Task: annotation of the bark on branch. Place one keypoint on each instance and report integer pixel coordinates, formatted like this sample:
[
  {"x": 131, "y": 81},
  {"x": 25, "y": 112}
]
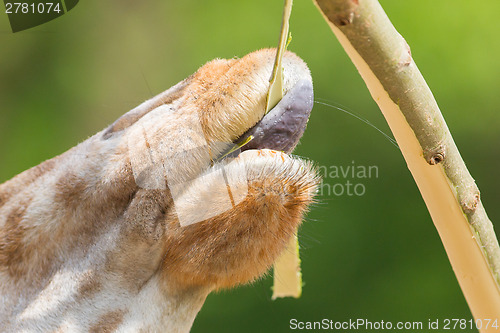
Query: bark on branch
[{"x": 384, "y": 60}]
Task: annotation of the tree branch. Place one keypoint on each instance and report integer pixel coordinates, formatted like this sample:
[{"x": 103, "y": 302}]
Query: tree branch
[{"x": 384, "y": 60}]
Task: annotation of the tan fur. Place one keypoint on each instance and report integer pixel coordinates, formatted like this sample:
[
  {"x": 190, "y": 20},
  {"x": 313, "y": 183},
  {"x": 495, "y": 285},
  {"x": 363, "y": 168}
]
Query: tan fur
[
  {"x": 108, "y": 322},
  {"x": 91, "y": 240}
]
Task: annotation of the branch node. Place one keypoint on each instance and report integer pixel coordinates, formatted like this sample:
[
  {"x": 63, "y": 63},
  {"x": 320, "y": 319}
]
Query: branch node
[
  {"x": 340, "y": 13},
  {"x": 406, "y": 58},
  {"x": 436, "y": 159},
  {"x": 469, "y": 202},
  {"x": 435, "y": 155},
  {"x": 344, "y": 19}
]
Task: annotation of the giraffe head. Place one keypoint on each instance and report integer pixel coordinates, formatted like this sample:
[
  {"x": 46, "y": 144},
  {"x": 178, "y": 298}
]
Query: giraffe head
[{"x": 136, "y": 225}]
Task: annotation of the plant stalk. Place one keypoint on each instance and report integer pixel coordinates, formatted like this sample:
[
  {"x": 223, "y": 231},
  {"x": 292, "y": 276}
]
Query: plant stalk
[{"x": 384, "y": 60}]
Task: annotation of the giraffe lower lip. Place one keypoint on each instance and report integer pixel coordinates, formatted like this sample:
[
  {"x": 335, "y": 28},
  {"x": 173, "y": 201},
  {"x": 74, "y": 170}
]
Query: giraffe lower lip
[{"x": 282, "y": 127}]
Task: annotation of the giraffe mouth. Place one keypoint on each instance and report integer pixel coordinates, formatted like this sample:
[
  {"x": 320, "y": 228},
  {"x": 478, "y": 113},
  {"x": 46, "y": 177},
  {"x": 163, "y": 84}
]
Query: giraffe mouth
[{"x": 282, "y": 127}]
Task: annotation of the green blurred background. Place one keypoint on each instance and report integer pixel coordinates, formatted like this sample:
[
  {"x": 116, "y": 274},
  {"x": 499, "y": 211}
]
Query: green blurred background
[{"x": 376, "y": 256}]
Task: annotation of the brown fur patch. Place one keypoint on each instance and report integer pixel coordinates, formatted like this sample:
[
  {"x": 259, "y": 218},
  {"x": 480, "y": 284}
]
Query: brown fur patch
[
  {"x": 70, "y": 191},
  {"x": 15, "y": 251},
  {"x": 89, "y": 286},
  {"x": 108, "y": 322},
  {"x": 3, "y": 197},
  {"x": 12, "y": 247},
  {"x": 96, "y": 200},
  {"x": 83, "y": 199}
]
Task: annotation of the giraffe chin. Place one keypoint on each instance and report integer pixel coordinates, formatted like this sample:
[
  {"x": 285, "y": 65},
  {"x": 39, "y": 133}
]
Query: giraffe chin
[{"x": 252, "y": 205}]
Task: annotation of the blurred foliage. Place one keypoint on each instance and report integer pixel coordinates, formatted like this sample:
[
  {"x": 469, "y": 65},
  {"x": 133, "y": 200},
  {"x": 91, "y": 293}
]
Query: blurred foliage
[{"x": 375, "y": 256}]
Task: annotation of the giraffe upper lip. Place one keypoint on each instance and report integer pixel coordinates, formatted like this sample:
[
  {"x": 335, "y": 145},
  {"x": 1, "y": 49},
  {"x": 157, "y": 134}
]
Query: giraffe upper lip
[{"x": 282, "y": 127}]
